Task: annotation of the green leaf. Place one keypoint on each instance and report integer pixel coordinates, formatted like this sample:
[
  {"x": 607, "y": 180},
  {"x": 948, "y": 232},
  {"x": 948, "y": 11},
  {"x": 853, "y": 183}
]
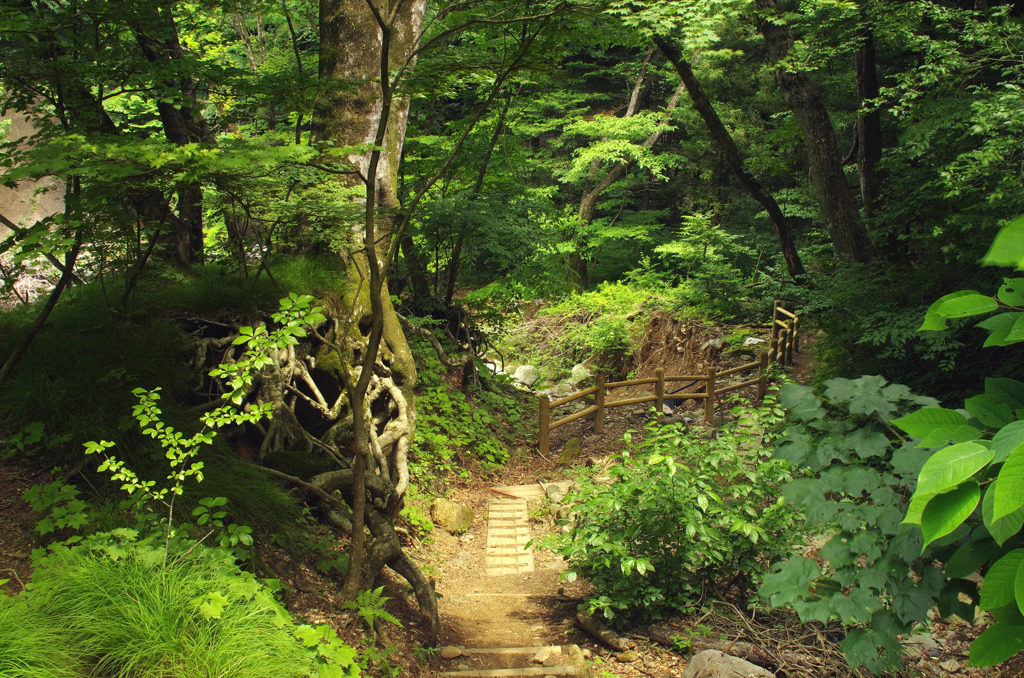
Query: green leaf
[
  {"x": 1008, "y": 493},
  {"x": 950, "y": 435},
  {"x": 1008, "y": 247},
  {"x": 996, "y": 644},
  {"x": 949, "y": 467},
  {"x": 1006, "y": 440},
  {"x": 945, "y": 512},
  {"x": 1011, "y": 292},
  {"x": 969, "y": 558},
  {"x": 963, "y": 306},
  {"x": 998, "y": 588},
  {"x": 1004, "y": 329},
  {"x": 989, "y": 410},
  {"x": 924, "y": 421},
  {"x": 1009, "y": 391}
]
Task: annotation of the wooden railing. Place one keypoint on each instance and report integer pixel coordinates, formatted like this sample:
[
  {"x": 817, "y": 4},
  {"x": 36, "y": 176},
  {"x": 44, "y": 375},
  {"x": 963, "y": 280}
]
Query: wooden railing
[
  {"x": 709, "y": 395},
  {"x": 785, "y": 335}
]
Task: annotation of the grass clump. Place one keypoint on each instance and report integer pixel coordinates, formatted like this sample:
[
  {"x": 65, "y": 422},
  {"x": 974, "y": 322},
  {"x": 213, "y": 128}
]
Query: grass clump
[
  {"x": 32, "y": 644},
  {"x": 128, "y": 615}
]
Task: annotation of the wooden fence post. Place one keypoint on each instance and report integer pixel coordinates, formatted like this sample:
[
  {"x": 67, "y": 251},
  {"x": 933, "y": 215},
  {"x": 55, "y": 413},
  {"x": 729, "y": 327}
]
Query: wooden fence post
[
  {"x": 709, "y": 401},
  {"x": 599, "y": 404},
  {"x": 659, "y": 390},
  {"x": 762, "y": 376},
  {"x": 791, "y": 331},
  {"x": 796, "y": 333},
  {"x": 773, "y": 345},
  {"x": 545, "y": 422}
]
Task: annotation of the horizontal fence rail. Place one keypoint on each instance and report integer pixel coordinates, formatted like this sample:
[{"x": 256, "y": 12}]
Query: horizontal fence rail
[
  {"x": 711, "y": 391},
  {"x": 785, "y": 335}
]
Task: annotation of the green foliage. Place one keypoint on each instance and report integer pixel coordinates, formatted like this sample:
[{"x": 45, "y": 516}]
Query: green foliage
[
  {"x": 857, "y": 475},
  {"x": 970, "y": 486},
  {"x": 59, "y": 505},
  {"x": 452, "y": 422},
  {"x": 369, "y": 605},
  {"x": 685, "y": 517}
]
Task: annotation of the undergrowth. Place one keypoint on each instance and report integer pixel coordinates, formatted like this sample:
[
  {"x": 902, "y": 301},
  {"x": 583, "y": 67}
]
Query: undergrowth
[{"x": 480, "y": 423}]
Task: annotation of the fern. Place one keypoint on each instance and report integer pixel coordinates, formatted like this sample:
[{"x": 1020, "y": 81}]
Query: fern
[{"x": 370, "y": 606}]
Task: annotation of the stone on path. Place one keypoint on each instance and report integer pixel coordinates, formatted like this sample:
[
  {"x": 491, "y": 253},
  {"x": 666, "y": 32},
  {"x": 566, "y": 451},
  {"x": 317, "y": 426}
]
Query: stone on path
[
  {"x": 453, "y": 518},
  {"x": 715, "y": 664},
  {"x": 450, "y": 652}
]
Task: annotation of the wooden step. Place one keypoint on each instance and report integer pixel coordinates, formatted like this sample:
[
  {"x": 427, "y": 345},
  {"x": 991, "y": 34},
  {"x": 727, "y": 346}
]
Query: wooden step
[
  {"x": 552, "y": 649},
  {"x": 514, "y": 673}
]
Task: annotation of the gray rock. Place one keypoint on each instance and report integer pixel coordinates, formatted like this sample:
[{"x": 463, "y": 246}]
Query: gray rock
[
  {"x": 715, "y": 664},
  {"x": 527, "y": 375},
  {"x": 579, "y": 662},
  {"x": 453, "y": 518},
  {"x": 710, "y": 344},
  {"x": 561, "y": 389},
  {"x": 579, "y": 373},
  {"x": 571, "y": 451}
]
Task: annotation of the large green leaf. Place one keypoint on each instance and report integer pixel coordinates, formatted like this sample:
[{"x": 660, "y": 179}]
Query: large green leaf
[
  {"x": 1008, "y": 494},
  {"x": 945, "y": 512},
  {"x": 1011, "y": 292},
  {"x": 998, "y": 589},
  {"x": 925, "y": 420},
  {"x": 989, "y": 410},
  {"x": 963, "y": 306},
  {"x": 935, "y": 321},
  {"x": 950, "y": 435},
  {"x": 1003, "y": 528},
  {"x": 1004, "y": 329},
  {"x": 969, "y": 558},
  {"x": 996, "y": 644},
  {"x": 949, "y": 467},
  {"x": 1008, "y": 247},
  {"x": 1009, "y": 391},
  {"x": 1006, "y": 440}
]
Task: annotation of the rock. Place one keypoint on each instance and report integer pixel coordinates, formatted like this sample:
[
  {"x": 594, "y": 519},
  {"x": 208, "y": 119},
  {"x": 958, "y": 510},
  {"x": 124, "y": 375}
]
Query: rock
[
  {"x": 556, "y": 491},
  {"x": 715, "y": 664},
  {"x": 549, "y": 662},
  {"x": 527, "y": 375},
  {"x": 571, "y": 451},
  {"x": 921, "y": 644},
  {"x": 710, "y": 344},
  {"x": 754, "y": 341},
  {"x": 450, "y": 652},
  {"x": 951, "y": 666},
  {"x": 453, "y": 518},
  {"x": 627, "y": 656},
  {"x": 579, "y": 373},
  {"x": 463, "y": 557},
  {"x": 561, "y": 389},
  {"x": 541, "y": 657},
  {"x": 579, "y": 662},
  {"x": 463, "y": 667}
]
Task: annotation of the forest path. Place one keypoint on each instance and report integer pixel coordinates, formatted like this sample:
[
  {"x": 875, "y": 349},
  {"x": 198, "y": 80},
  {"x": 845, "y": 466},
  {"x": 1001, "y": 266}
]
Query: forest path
[{"x": 500, "y": 601}]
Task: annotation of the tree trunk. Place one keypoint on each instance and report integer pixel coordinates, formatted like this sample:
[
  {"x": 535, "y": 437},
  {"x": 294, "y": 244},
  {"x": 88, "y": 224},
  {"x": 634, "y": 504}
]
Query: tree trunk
[
  {"x": 157, "y": 37},
  {"x": 849, "y": 237},
  {"x": 362, "y": 43},
  {"x": 727, "y": 146},
  {"x": 869, "y": 125}
]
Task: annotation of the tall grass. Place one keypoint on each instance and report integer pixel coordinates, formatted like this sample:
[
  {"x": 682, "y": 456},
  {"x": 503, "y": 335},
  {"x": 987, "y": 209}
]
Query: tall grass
[
  {"x": 34, "y": 645},
  {"x": 137, "y": 619}
]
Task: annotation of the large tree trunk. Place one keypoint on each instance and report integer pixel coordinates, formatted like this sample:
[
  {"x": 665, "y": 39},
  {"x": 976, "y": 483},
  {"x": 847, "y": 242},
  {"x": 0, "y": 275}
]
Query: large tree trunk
[
  {"x": 869, "y": 125},
  {"x": 728, "y": 147},
  {"x": 362, "y": 44},
  {"x": 177, "y": 104},
  {"x": 849, "y": 237}
]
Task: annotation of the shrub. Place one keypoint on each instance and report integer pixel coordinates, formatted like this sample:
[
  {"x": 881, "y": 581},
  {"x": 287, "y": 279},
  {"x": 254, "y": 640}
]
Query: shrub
[{"x": 684, "y": 517}]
